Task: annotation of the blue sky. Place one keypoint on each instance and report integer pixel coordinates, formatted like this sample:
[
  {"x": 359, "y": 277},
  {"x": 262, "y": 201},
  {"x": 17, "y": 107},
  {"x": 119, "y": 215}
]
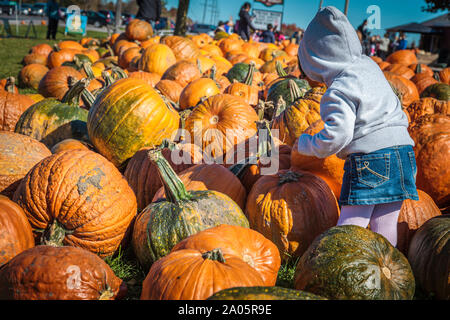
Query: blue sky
[{"x": 393, "y": 12}]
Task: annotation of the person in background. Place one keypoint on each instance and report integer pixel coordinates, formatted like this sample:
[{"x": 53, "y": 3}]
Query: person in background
[
  {"x": 384, "y": 47},
  {"x": 296, "y": 36},
  {"x": 279, "y": 36},
  {"x": 53, "y": 18},
  {"x": 394, "y": 44},
  {"x": 365, "y": 37},
  {"x": 268, "y": 36},
  {"x": 245, "y": 22},
  {"x": 220, "y": 27},
  {"x": 150, "y": 11},
  {"x": 229, "y": 26},
  {"x": 403, "y": 43}
]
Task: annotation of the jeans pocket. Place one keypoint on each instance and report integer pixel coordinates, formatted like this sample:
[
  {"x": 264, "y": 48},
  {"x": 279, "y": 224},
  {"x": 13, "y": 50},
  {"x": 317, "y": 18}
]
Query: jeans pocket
[
  {"x": 412, "y": 160},
  {"x": 373, "y": 170}
]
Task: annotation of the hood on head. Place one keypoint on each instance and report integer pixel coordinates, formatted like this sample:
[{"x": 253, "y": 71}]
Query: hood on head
[{"x": 329, "y": 45}]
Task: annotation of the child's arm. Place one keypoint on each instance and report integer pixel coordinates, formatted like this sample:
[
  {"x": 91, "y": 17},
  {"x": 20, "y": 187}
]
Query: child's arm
[{"x": 338, "y": 114}]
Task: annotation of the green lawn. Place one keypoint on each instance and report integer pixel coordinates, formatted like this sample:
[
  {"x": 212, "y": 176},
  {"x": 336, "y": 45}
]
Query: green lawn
[{"x": 12, "y": 50}]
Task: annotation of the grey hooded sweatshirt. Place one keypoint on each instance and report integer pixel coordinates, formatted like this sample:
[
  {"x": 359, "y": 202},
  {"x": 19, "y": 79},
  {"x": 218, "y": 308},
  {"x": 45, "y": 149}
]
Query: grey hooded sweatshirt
[{"x": 360, "y": 110}]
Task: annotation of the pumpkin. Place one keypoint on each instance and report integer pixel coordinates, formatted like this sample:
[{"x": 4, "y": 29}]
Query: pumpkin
[
  {"x": 289, "y": 88},
  {"x": 213, "y": 50},
  {"x": 404, "y": 87},
  {"x": 182, "y": 47},
  {"x": 35, "y": 58},
  {"x": 222, "y": 65},
  {"x": 203, "y": 63},
  {"x": 263, "y": 293},
  {"x": 201, "y": 40},
  {"x": 422, "y": 81},
  {"x": 291, "y": 208},
  {"x": 183, "y": 72},
  {"x": 170, "y": 89},
  {"x": 202, "y": 177},
  {"x": 229, "y": 44},
  {"x": 376, "y": 59},
  {"x": 139, "y": 30},
  {"x": 15, "y": 230},
  {"x": 127, "y": 116},
  {"x": 240, "y": 71},
  {"x": 197, "y": 91},
  {"x": 57, "y": 58},
  {"x": 413, "y": 215},
  {"x": 78, "y": 198},
  {"x": 429, "y": 257},
  {"x": 251, "y": 246},
  {"x": 150, "y": 78},
  {"x": 42, "y": 48},
  {"x": 128, "y": 55},
  {"x": 245, "y": 89},
  {"x": 69, "y": 144},
  {"x": 293, "y": 119},
  {"x": 427, "y": 106},
  {"x": 383, "y": 65},
  {"x": 31, "y": 75},
  {"x": 51, "y": 121},
  {"x": 444, "y": 75},
  {"x": 9, "y": 84},
  {"x": 36, "y": 97},
  {"x": 251, "y": 49},
  {"x": 432, "y": 149},
  {"x": 12, "y": 105},
  {"x": 142, "y": 174},
  {"x": 351, "y": 262},
  {"x": 291, "y": 49},
  {"x": 55, "y": 83},
  {"x": 120, "y": 46},
  {"x": 192, "y": 275},
  {"x": 330, "y": 169},
  {"x": 400, "y": 70},
  {"x": 182, "y": 213},
  {"x": 157, "y": 58},
  {"x": 18, "y": 154},
  {"x": 268, "y": 54},
  {"x": 247, "y": 164},
  {"x": 219, "y": 123},
  {"x": 440, "y": 91},
  {"x": 419, "y": 68},
  {"x": 54, "y": 273},
  {"x": 404, "y": 57},
  {"x": 70, "y": 44}
]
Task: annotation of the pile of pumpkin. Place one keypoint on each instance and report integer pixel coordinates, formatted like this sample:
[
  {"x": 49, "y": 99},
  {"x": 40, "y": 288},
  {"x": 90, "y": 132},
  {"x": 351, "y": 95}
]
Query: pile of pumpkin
[{"x": 88, "y": 165}]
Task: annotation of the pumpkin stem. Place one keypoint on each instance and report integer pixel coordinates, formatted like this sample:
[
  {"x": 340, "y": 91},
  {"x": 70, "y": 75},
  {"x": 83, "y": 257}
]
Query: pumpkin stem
[
  {"x": 110, "y": 50},
  {"x": 264, "y": 142},
  {"x": 289, "y": 176},
  {"x": 167, "y": 144},
  {"x": 260, "y": 108},
  {"x": 213, "y": 72},
  {"x": 419, "y": 68},
  {"x": 174, "y": 188},
  {"x": 437, "y": 76},
  {"x": 215, "y": 255},
  {"x": 72, "y": 96},
  {"x": 109, "y": 80},
  {"x": 54, "y": 235},
  {"x": 106, "y": 294},
  {"x": 294, "y": 90},
  {"x": 88, "y": 70},
  {"x": 251, "y": 71},
  {"x": 118, "y": 73},
  {"x": 280, "y": 70},
  {"x": 88, "y": 98},
  {"x": 10, "y": 84},
  {"x": 279, "y": 107},
  {"x": 56, "y": 47}
]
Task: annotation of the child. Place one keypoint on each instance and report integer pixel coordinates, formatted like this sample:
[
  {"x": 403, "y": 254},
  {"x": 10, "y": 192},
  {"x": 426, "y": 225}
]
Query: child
[{"x": 364, "y": 124}]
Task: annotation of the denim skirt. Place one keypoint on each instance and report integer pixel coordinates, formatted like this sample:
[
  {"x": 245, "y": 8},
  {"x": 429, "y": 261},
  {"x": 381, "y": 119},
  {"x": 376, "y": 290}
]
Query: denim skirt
[{"x": 382, "y": 176}]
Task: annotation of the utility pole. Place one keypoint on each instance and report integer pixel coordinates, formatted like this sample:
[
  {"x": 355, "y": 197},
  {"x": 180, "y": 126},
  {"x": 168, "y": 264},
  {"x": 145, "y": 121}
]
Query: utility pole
[
  {"x": 205, "y": 8},
  {"x": 346, "y": 7},
  {"x": 118, "y": 20},
  {"x": 320, "y": 4}
]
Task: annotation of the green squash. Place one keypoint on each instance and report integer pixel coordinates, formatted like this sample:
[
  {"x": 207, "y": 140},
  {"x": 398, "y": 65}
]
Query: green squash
[
  {"x": 350, "y": 262},
  {"x": 440, "y": 91},
  {"x": 161, "y": 225},
  {"x": 263, "y": 293},
  {"x": 238, "y": 72},
  {"x": 290, "y": 89},
  {"x": 51, "y": 121},
  {"x": 429, "y": 256}
]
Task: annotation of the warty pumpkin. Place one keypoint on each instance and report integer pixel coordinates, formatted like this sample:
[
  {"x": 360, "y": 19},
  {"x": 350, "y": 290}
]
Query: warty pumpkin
[
  {"x": 252, "y": 247},
  {"x": 127, "y": 116},
  {"x": 192, "y": 275},
  {"x": 352, "y": 263},
  {"x": 59, "y": 273},
  {"x": 427, "y": 106},
  {"x": 78, "y": 198},
  {"x": 219, "y": 123},
  {"x": 164, "y": 223},
  {"x": 157, "y": 58},
  {"x": 18, "y": 154},
  {"x": 429, "y": 255},
  {"x": 197, "y": 91},
  {"x": 15, "y": 230},
  {"x": 139, "y": 30},
  {"x": 291, "y": 208}
]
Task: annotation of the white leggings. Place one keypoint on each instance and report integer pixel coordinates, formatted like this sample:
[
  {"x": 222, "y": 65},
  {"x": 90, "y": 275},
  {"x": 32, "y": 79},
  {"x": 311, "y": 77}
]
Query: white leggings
[{"x": 382, "y": 218}]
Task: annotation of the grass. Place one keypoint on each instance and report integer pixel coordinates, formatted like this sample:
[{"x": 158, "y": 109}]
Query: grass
[{"x": 13, "y": 49}]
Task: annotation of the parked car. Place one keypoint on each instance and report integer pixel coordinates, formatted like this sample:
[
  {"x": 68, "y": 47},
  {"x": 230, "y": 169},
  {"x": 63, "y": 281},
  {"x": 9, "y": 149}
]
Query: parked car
[
  {"x": 25, "y": 9},
  {"x": 8, "y": 7},
  {"x": 203, "y": 28},
  {"x": 109, "y": 16},
  {"x": 96, "y": 18},
  {"x": 39, "y": 9}
]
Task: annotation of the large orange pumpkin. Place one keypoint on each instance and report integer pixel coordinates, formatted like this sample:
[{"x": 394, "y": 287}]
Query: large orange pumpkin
[
  {"x": 427, "y": 106},
  {"x": 400, "y": 70},
  {"x": 57, "y": 58},
  {"x": 422, "y": 81},
  {"x": 404, "y": 57},
  {"x": 404, "y": 87},
  {"x": 183, "y": 72},
  {"x": 149, "y": 77},
  {"x": 157, "y": 58},
  {"x": 55, "y": 83},
  {"x": 182, "y": 47},
  {"x": 139, "y": 30},
  {"x": 196, "y": 91},
  {"x": 190, "y": 274},
  {"x": 42, "y": 48},
  {"x": 170, "y": 89},
  {"x": 32, "y": 74},
  {"x": 251, "y": 246},
  {"x": 12, "y": 105},
  {"x": 15, "y": 230},
  {"x": 35, "y": 58},
  {"x": 78, "y": 198}
]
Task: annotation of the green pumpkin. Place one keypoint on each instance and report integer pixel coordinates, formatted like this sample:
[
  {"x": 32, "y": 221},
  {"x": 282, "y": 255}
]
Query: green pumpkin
[
  {"x": 440, "y": 91},
  {"x": 350, "y": 262},
  {"x": 429, "y": 255},
  {"x": 263, "y": 293},
  {"x": 51, "y": 121},
  {"x": 238, "y": 72},
  {"x": 161, "y": 225}
]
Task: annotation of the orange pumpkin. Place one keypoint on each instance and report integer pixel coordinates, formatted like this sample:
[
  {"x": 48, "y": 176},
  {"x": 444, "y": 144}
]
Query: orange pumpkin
[
  {"x": 196, "y": 91},
  {"x": 404, "y": 87},
  {"x": 404, "y": 57},
  {"x": 35, "y": 58},
  {"x": 183, "y": 72},
  {"x": 170, "y": 89},
  {"x": 12, "y": 105},
  {"x": 139, "y": 30},
  {"x": 57, "y": 58},
  {"x": 55, "y": 83},
  {"x": 422, "y": 81},
  {"x": 149, "y": 77},
  {"x": 157, "y": 58},
  {"x": 128, "y": 55},
  {"x": 444, "y": 75},
  {"x": 32, "y": 74},
  {"x": 401, "y": 70},
  {"x": 70, "y": 44},
  {"x": 42, "y": 48},
  {"x": 427, "y": 106},
  {"x": 182, "y": 47}
]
